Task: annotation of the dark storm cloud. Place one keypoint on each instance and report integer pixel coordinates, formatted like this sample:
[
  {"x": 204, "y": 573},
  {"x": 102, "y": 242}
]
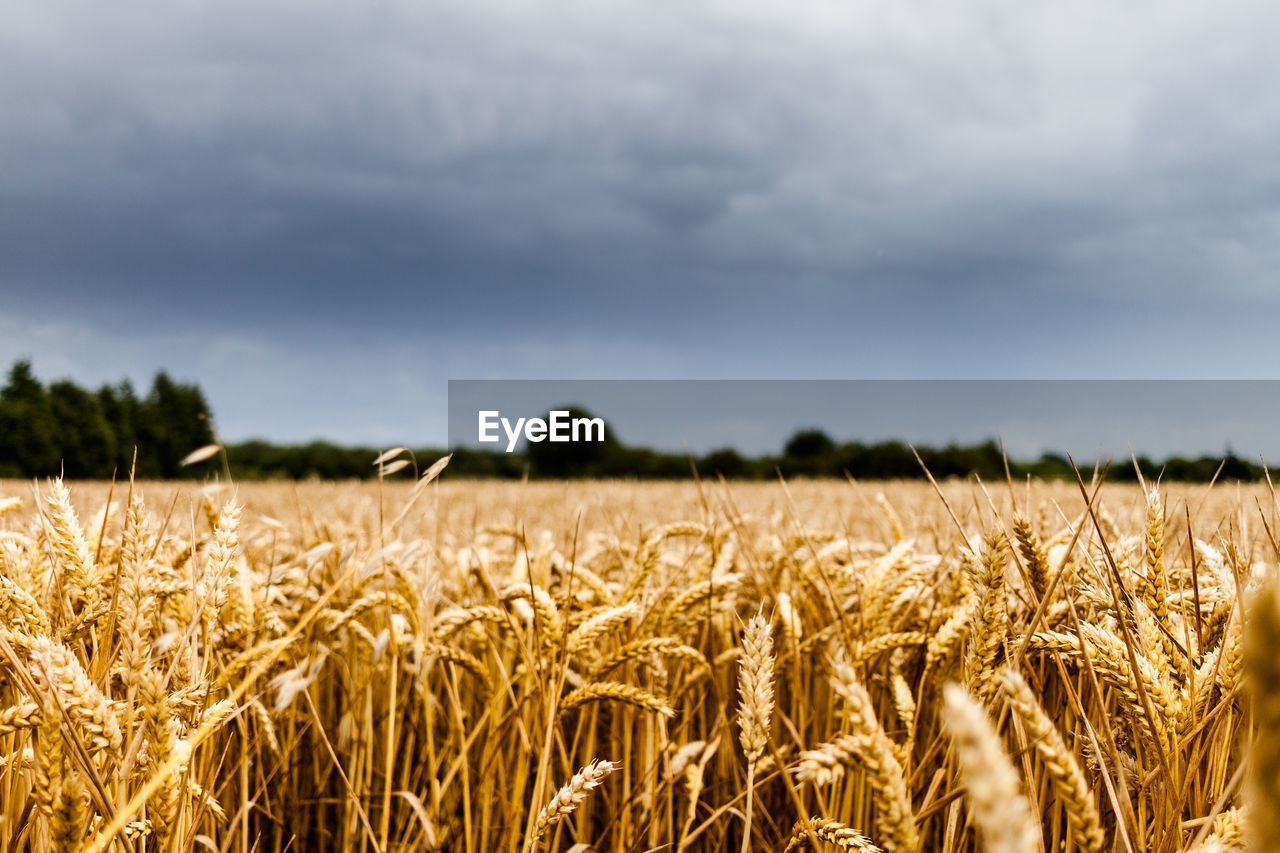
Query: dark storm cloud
[{"x": 680, "y": 189}]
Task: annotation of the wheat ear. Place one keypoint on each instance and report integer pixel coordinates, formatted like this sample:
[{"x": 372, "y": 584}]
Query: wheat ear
[
  {"x": 831, "y": 831},
  {"x": 1157, "y": 587},
  {"x": 568, "y": 798},
  {"x": 1033, "y": 555},
  {"x": 755, "y": 687},
  {"x": 1068, "y": 779},
  {"x": 603, "y": 691},
  {"x": 996, "y": 802},
  {"x": 869, "y": 743},
  {"x": 988, "y": 631},
  {"x": 755, "y": 707},
  {"x": 1261, "y": 639}
]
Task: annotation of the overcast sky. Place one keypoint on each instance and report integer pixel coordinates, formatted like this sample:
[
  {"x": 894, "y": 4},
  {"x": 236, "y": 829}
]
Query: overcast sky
[{"x": 322, "y": 211}]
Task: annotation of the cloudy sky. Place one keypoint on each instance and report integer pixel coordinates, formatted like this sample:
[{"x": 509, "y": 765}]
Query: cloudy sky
[{"x": 323, "y": 211}]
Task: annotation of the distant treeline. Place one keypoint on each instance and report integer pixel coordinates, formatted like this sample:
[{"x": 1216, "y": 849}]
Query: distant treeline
[
  {"x": 60, "y": 427},
  {"x": 809, "y": 453}
]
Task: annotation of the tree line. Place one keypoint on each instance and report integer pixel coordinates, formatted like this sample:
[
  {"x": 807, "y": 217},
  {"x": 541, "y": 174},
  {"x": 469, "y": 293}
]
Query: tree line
[
  {"x": 813, "y": 453},
  {"x": 807, "y": 454},
  {"x": 63, "y": 428}
]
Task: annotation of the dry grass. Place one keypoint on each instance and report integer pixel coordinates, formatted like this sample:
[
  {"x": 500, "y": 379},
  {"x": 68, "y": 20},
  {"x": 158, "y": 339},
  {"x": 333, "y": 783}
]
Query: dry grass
[{"x": 822, "y": 665}]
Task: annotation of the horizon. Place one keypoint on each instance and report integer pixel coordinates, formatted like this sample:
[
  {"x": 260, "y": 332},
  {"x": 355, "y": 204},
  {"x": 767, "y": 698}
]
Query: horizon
[{"x": 1157, "y": 419}]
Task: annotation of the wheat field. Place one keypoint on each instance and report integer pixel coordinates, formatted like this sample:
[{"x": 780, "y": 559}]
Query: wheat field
[{"x": 612, "y": 666}]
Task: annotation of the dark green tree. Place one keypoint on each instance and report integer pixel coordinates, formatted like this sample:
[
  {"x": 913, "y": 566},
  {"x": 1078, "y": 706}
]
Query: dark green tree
[
  {"x": 809, "y": 453},
  {"x": 1235, "y": 468},
  {"x": 85, "y": 440},
  {"x": 574, "y": 458},
  {"x": 725, "y": 462},
  {"x": 890, "y": 460},
  {"x": 809, "y": 443},
  {"x": 28, "y": 441},
  {"x": 123, "y": 410},
  {"x": 175, "y": 421}
]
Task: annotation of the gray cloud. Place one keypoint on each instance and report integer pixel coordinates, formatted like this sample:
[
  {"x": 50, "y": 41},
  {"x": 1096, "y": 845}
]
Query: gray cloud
[{"x": 688, "y": 189}]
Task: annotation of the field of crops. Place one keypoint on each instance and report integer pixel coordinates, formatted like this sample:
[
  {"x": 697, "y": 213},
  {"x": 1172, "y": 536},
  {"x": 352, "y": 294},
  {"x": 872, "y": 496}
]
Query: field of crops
[{"x": 631, "y": 667}]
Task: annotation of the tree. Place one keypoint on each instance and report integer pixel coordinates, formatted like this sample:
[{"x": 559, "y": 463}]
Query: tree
[
  {"x": 175, "y": 422},
  {"x": 892, "y": 459},
  {"x": 725, "y": 462},
  {"x": 27, "y": 426},
  {"x": 1235, "y": 468},
  {"x": 85, "y": 440},
  {"x": 123, "y": 411},
  {"x": 809, "y": 453},
  {"x": 809, "y": 444},
  {"x": 574, "y": 458}
]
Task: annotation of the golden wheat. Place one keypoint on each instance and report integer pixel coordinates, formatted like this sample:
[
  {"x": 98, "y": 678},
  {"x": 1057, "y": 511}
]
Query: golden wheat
[
  {"x": 1000, "y": 810},
  {"x": 568, "y": 798},
  {"x": 410, "y": 667}
]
